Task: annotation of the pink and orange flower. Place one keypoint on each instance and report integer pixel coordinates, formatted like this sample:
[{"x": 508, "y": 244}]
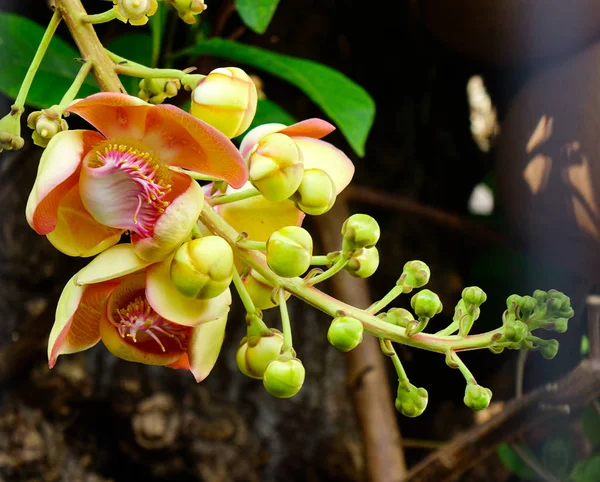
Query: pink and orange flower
[{"x": 92, "y": 186}]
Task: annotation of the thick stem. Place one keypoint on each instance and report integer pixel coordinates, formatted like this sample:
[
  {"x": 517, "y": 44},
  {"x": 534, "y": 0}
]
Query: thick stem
[{"x": 89, "y": 45}]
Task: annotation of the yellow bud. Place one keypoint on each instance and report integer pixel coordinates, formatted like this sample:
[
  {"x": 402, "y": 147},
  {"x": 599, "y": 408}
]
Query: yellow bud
[
  {"x": 155, "y": 91},
  {"x": 135, "y": 11},
  {"x": 188, "y": 9},
  {"x": 256, "y": 352},
  {"x": 203, "y": 268},
  {"x": 316, "y": 193},
  {"x": 289, "y": 251},
  {"x": 276, "y": 167},
  {"x": 226, "y": 99},
  {"x": 45, "y": 124}
]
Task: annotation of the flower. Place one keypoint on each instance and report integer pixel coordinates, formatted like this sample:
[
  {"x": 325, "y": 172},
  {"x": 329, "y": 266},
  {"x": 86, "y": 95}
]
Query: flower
[
  {"x": 92, "y": 187},
  {"x": 132, "y": 306},
  {"x": 135, "y": 11}
]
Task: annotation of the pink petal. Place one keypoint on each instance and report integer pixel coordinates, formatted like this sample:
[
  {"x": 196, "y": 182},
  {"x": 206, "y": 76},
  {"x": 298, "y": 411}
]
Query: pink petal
[{"x": 314, "y": 127}]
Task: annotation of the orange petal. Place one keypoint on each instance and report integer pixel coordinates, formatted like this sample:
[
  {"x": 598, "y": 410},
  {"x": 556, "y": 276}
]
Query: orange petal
[
  {"x": 323, "y": 155},
  {"x": 113, "y": 114},
  {"x": 169, "y": 303},
  {"x": 77, "y": 316},
  {"x": 76, "y": 232},
  {"x": 314, "y": 127},
  {"x": 204, "y": 347},
  {"x": 183, "y": 141},
  {"x": 120, "y": 260},
  {"x": 176, "y": 223},
  {"x": 182, "y": 363},
  {"x": 57, "y": 174}
]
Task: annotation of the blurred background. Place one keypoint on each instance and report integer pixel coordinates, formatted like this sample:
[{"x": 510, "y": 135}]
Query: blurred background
[{"x": 482, "y": 162}]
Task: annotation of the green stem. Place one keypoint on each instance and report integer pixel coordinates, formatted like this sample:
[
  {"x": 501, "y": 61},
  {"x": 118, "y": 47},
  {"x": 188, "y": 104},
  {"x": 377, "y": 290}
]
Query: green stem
[
  {"x": 388, "y": 349},
  {"x": 37, "y": 60},
  {"x": 320, "y": 260},
  {"x": 244, "y": 295},
  {"x": 285, "y": 323},
  {"x": 249, "y": 244},
  {"x": 256, "y": 326},
  {"x": 470, "y": 379},
  {"x": 194, "y": 175},
  {"x": 336, "y": 268},
  {"x": 449, "y": 330},
  {"x": 233, "y": 197},
  {"x": 387, "y": 299},
  {"x": 76, "y": 85},
  {"x": 331, "y": 306},
  {"x": 99, "y": 17}
]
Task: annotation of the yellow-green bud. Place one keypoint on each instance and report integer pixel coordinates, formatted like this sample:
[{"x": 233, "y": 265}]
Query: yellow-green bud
[
  {"x": 226, "y": 99},
  {"x": 363, "y": 263},
  {"x": 203, "y": 268},
  {"x": 135, "y": 11},
  {"x": 345, "y": 333},
  {"x": 10, "y": 130},
  {"x": 360, "y": 231},
  {"x": 477, "y": 397},
  {"x": 260, "y": 291},
  {"x": 284, "y": 378},
  {"x": 155, "y": 91},
  {"x": 45, "y": 124},
  {"x": 316, "y": 193},
  {"x": 399, "y": 317},
  {"x": 276, "y": 167},
  {"x": 474, "y": 295},
  {"x": 188, "y": 9},
  {"x": 416, "y": 274},
  {"x": 426, "y": 304},
  {"x": 289, "y": 251},
  {"x": 256, "y": 352},
  {"x": 411, "y": 401},
  {"x": 549, "y": 349}
]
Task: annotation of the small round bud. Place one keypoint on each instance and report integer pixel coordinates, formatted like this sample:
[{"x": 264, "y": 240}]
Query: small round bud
[
  {"x": 473, "y": 295},
  {"x": 512, "y": 299},
  {"x": 203, "y": 268},
  {"x": 426, "y": 304},
  {"x": 256, "y": 352},
  {"x": 515, "y": 331},
  {"x": 316, "y": 193},
  {"x": 289, "y": 251},
  {"x": 276, "y": 167},
  {"x": 399, "y": 317},
  {"x": 45, "y": 124},
  {"x": 363, "y": 263},
  {"x": 284, "y": 378},
  {"x": 360, "y": 231},
  {"x": 260, "y": 291},
  {"x": 477, "y": 397},
  {"x": 540, "y": 296},
  {"x": 10, "y": 130},
  {"x": 155, "y": 91},
  {"x": 345, "y": 333},
  {"x": 226, "y": 99},
  {"x": 188, "y": 9},
  {"x": 526, "y": 305},
  {"x": 416, "y": 274},
  {"x": 135, "y": 11},
  {"x": 549, "y": 349},
  {"x": 560, "y": 325},
  {"x": 411, "y": 401}
]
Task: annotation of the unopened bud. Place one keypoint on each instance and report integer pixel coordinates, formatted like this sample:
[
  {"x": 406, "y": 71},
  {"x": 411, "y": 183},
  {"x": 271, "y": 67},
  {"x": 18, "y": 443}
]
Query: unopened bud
[
  {"x": 345, "y": 333},
  {"x": 477, "y": 397},
  {"x": 203, "y": 268},
  {"x": 276, "y": 167},
  {"x": 256, "y": 352},
  {"x": 411, "y": 401},
  {"x": 136, "y": 12},
  {"x": 399, "y": 317},
  {"x": 289, "y": 251},
  {"x": 155, "y": 91},
  {"x": 515, "y": 331},
  {"x": 226, "y": 99},
  {"x": 316, "y": 193},
  {"x": 363, "y": 263},
  {"x": 284, "y": 378},
  {"x": 426, "y": 304},
  {"x": 549, "y": 349},
  {"x": 416, "y": 274},
  {"x": 360, "y": 231},
  {"x": 188, "y": 9},
  {"x": 473, "y": 295},
  {"x": 10, "y": 131},
  {"x": 45, "y": 124}
]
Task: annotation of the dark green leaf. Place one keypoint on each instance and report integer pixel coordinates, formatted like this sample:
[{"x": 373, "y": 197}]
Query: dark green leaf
[
  {"x": 344, "y": 101},
  {"x": 557, "y": 457},
  {"x": 256, "y": 14},
  {"x": 136, "y": 47},
  {"x": 157, "y": 27},
  {"x": 19, "y": 40},
  {"x": 587, "y": 470},
  {"x": 514, "y": 463},
  {"x": 591, "y": 425}
]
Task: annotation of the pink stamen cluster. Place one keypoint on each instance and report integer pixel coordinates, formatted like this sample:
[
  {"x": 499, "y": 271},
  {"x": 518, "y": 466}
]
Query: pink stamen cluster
[
  {"x": 139, "y": 317},
  {"x": 145, "y": 171}
]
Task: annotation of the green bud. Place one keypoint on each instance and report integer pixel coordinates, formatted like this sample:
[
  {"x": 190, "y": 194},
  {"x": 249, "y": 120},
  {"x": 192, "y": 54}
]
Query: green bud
[
  {"x": 260, "y": 291},
  {"x": 203, "y": 268},
  {"x": 276, "y": 167},
  {"x": 526, "y": 306},
  {"x": 512, "y": 299},
  {"x": 473, "y": 295},
  {"x": 345, "y": 333},
  {"x": 46, "y": 124},
  {"x": 399, "y": 317},
  {"x": 363, "y": 263},
  {"x": 426, "y": 304},
  {"x": 559, "y": 305},
  {"x": 515, "y": 331},
  {"x": 560, "y": 325},
  {"x": 316, "y": 193},
  {"x": 156, "y": 91},
  {"x": 416, "y": 274},
  {"x": 549, "y": 349},
  {"x": 289, "y": 251},
  {"x": 284, "y": 378},
  {"x": 477, "y": 397},
  {"x": 540, "y": 296},
  {"x": 188, "y": 9},
  {"x": 256, "y": 352},
  {"x": 360, "y": 231},
  {"x": 411, "y": 401}
]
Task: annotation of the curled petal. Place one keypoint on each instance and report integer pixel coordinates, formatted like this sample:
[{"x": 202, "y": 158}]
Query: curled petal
[
  {"x": 57, "y": 174},
  {"x": 77, "y": 233},
  {"x": 175, "y": 224},
  {"x": 323, "y": 155},
  {"x": 77, "y": 317},
  {"x": 204, "y": 347},
  {"x": 120, "y": 260},
  {"x": 113, "y": 114},
  {"x": 314, "y": 127},
  {"x": 183, "y": 141},
  {"x": 255, "y": 135},
  {"x": 169, "y": 303}
]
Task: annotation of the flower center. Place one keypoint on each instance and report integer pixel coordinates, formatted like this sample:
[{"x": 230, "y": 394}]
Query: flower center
[{"x": 139, "y": 322}]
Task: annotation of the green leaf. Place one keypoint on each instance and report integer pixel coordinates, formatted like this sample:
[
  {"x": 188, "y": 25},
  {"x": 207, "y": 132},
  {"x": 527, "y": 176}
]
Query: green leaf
[
  {"x": 268, "y": 111},
  {"x": 514, "y": 463},
  {"x": 157, "y": 28},
  {"x": 557, "y": 456},
  {"x": 345, "y": 102},
  {"x": 19, "y": 40},
  {"x": 587, "y": 470},
  {"x": 591, "y": 425},
  {"x": 136, "y": 47},
  {"x": 256, "y": 14}
]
